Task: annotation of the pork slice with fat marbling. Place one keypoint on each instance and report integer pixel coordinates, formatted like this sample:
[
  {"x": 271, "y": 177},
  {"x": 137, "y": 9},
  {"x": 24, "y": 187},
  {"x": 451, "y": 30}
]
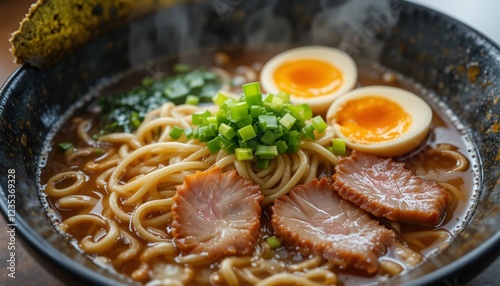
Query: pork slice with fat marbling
[
  {"x": 216, "y": 214},
  {"x": 385, "y": 188},
  {"x": 317, "y": 220}
]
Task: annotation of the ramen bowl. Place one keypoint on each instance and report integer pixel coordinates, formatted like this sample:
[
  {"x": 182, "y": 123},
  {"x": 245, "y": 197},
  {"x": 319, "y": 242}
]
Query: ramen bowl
[{"x": 442, "y": 55}]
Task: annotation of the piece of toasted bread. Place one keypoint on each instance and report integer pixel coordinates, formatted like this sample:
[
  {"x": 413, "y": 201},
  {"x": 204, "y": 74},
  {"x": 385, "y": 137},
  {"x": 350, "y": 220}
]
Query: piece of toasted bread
[{"x": 52, "y": 28}]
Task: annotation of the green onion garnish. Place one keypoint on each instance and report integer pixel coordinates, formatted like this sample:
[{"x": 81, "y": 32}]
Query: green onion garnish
[
  {"x": 256, "y": 127},
  {"x": 319, "y": 124},
  {"x": 189, "y": 133},
  {"x": 281, "y": 146},
  {"x": 192, "y": 99},
  {"x": 262, "y": 164},
  {"x": 226, "y": 131},
  {"x": 238, "y": 111},
  {"x": 125, "y": 110},
  {"x": 214, "y": 145},
  {"x": 135, "y": 119},
  {"x": 308, "y": 131},
  {"x": 243, "y": 154},
  {"x": 176, "y": 132},
  {"x": 338, "y": 146},
  {"x": 302, "y": 112},
  {"x": 288, "y": 121},
  {"x": 219, "y": 98},
  {"x": 251, "y": 89},
  {"x": 273, "y": 242},
  {"x": 266, "y": 152},
  {"x": 63, "y": 146},
  {"x": 267, "y": 122},
  {"x": 246, "y": 133}
]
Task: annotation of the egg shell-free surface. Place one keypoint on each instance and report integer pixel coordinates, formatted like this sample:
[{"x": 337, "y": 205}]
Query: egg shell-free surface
[
  {"x": 337, "y": 58},
  {"x": 417, "y": 108}
]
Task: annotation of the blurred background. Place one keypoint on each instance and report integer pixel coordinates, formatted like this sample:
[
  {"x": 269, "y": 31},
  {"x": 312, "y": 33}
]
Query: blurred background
[{"x": 480, "y": 14}]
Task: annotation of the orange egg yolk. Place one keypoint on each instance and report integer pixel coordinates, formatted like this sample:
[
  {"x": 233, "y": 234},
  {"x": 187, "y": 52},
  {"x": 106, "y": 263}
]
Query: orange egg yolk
[
  {"x": 372, "y": 119},
  {"x": 307, "y": 78}
]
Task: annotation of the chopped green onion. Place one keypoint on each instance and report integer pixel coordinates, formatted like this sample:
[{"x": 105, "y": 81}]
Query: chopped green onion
[
  {"x": 293, "y": 141},
  {"x": 273, "y": 242},
  {"x": 288, "y": 121},
  {"x": 283, "y": 95},
  {"x": 238, "y": 111},
  {"x": 212, "y": 120},
  {"x": 196, "y": 133},
  {"x": 251, "y": 89},
  {"x": 220, "y": 98},
  {"x": 282, "y": 146},
  {"x": 213, "y": 145},
  {"x": 196, "y": 82},
  {"x": 277, "y": 104},
  {"x": 245, "y": 121},
  {"x": 256, "y": 127},
  {"x": 302, "y": 112},
  {"x": 64, "y": 146},
  {"x": 224, "y": 142},
  {"x": 247, "y": 133},
  {"x": 256, "y": 110},
  {"x": 197, "y": 119},
  {"x": 243, "y": 154},
  {"x": 254, "y": 99},
  {"x": 135, "y": 119},
  {"x": 319, "y": 124},
  {"x": 210, "y": 130},
  {"x": 98, "y": 151},
  {"x": 226, "y": 131},
  {"x": 189, "y": 133},
  {"x": 252, "y": 143},
  {"x": 125, "y": 110},
  {"x": 338, "y": 146},
  {"x": 266, "y": 152},
  {"x": 267, "y": 122},
  {"x": 221, "y": 119},
  {"x": 280, "y": 131},
  {"x": 308, "y": 131},
  {"x": 192, "y": 99},
  {"x": 269, "y": 137},
  {"x": 176, "y": 132},
  {"x": 262, "y": 164},
  {"x": 268, "y": 98}
]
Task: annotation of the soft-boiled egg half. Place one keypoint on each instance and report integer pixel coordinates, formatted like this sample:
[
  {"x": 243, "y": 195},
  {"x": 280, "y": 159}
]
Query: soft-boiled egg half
[
  {"x": 315, "y": 75},
  {"x": 380, "y": 120}
]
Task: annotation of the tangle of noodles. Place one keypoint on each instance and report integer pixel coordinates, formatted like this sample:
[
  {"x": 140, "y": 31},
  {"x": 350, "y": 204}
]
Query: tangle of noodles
[
  {"x": 117, "y": 194},
  {"x": 139, "y": 172}
]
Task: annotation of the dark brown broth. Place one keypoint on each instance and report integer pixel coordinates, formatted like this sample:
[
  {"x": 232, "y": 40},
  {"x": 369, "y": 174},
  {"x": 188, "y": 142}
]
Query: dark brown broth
[{"x": 442, "y": 131}]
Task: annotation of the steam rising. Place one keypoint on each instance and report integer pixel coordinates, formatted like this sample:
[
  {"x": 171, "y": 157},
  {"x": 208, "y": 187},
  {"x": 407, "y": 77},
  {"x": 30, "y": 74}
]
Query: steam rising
[
  {"x": 351, "y": 25},
  {"x": 264, "y": 27},
  {"x": 354, "y": 25}
]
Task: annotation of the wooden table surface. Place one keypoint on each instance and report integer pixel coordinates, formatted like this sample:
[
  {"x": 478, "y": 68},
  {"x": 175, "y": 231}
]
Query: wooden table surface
[{"x": 29, "y": 271}]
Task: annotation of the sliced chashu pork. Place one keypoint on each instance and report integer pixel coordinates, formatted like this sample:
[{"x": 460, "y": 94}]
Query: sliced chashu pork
[
  {"x": 385, "y": 188},
  {"x": 216, "y": 214},
  {"x": 317, "y": 220}
]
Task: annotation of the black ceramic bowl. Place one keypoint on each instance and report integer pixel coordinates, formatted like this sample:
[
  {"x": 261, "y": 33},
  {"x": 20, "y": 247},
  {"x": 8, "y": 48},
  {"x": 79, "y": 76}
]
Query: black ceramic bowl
[{"x": 443, "y": 55}]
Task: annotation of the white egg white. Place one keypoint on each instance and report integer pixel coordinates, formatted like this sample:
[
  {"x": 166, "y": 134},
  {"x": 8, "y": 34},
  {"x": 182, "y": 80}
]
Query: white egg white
[
  {"x": 337, "y": 58},
  {"x": 416, "y": 107}
]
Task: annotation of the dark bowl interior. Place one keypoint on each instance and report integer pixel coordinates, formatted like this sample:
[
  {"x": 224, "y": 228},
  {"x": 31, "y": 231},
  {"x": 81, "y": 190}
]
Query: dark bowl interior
[{"x": 436, "y": 51}]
